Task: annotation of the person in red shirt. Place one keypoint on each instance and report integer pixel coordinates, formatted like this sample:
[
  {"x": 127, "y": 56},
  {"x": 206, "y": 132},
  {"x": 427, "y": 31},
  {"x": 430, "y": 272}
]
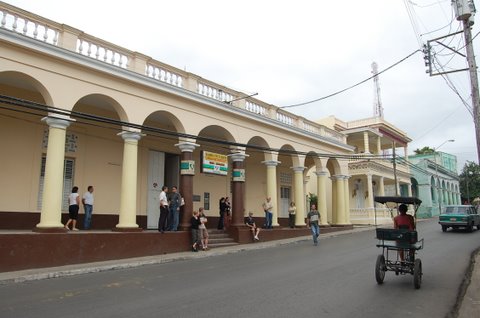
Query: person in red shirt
[{"x": 404, "y": 220}]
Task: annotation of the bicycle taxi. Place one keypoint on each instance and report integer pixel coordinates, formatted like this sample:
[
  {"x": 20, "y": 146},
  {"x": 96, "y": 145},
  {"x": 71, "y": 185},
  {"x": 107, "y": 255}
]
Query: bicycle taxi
[{"x": 399, "y": 246}]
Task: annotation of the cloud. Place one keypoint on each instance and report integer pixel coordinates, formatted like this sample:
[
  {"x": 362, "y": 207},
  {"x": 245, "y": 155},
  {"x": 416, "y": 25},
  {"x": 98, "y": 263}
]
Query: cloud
[{"x": 292, "y": 52}]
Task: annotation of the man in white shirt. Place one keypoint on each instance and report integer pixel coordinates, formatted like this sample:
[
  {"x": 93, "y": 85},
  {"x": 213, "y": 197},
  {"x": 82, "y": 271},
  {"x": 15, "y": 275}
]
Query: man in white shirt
[
  {"x": 162, "y": 220},
  {"x": 87, "y": 201}
]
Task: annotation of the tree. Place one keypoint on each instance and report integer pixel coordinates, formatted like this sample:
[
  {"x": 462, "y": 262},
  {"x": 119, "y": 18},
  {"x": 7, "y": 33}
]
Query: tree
[
  {"x": 312, "y": 199},
  {"x": 424, "y": 151},
  {"x": 470, "y": 181}
]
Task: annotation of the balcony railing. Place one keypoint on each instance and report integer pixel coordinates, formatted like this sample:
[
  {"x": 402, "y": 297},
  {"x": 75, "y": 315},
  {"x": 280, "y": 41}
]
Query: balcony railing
[
  {"x": 378, "y": 164},
  {"x": 379, "y": 216},
  {"x": 66, "y": 37}
]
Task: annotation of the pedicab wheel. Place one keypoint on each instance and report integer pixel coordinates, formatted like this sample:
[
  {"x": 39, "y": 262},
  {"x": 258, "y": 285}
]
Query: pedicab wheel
[
  {"x": 417, "y": 273},
  {"x": 380, "y": 269}
]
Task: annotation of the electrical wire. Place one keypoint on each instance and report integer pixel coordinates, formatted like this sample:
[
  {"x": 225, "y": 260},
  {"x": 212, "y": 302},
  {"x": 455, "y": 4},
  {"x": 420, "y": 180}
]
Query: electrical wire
[
  {"x": 413, "y": 22},
  {"x": 355, "y": 85},
  {"x": 39, "y": 110}
]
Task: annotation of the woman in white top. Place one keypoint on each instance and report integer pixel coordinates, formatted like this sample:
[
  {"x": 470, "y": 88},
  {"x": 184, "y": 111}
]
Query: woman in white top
[
  {"x": 292, "y": 209},
  {"x": 74, "y": 204}
]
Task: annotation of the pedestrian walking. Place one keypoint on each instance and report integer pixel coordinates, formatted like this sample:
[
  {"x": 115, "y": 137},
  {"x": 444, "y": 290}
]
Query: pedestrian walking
[
  {"x": 87, "y": 201},
  {"x": 313, "y": 217}
]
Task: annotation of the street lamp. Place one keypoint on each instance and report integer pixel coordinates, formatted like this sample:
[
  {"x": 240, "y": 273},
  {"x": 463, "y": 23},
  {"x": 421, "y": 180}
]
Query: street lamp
[{"x": 436, "y": 173}]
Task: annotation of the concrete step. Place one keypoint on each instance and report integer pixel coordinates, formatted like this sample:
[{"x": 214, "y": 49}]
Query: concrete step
[
  {"x": 219, "y": 238},
  {"x": 216, "y": 245}
]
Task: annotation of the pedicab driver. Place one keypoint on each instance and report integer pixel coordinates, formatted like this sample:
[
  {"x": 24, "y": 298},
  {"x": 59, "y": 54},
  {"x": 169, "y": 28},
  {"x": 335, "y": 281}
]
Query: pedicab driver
[{"x": 403, "y": 221}]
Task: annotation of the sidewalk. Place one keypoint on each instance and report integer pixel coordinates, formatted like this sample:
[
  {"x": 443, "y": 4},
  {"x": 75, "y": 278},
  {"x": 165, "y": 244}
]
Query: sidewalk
[
  {"x": 468, "y": 301},
  {"x": 85, "y": 268}
]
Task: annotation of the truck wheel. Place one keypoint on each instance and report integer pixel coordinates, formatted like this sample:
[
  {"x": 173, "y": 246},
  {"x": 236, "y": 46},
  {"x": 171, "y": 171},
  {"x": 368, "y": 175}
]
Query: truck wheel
[{"x": 444, "y": 228}]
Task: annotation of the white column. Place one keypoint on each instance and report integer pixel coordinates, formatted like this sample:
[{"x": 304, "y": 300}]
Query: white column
[
  {"x": 299, "y": 196},
  {"x": 379, "y": 145},
  {"x": 370, "y": 192},
  {"x": 305, "y": 197},
  {"x": 366, "y": 144},
  {"x": 128, "y": 192},
  {"x": 340, "y": 196},
  {"x": 51, "y": 213},
  {"x": 322, "y": 196},
  {"x": 347, "y": 199},
  {"x": 409, "y": 189},
  {"x": 381, "y": 186},
  {"x": 272, "y": 187}
]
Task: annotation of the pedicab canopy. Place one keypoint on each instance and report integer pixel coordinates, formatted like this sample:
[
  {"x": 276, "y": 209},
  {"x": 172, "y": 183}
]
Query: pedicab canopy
[{"x": 400, "y": 200}]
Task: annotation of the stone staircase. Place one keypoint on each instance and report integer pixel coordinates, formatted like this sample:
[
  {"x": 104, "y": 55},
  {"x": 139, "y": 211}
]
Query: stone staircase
[{"x": 219, "y": 238}]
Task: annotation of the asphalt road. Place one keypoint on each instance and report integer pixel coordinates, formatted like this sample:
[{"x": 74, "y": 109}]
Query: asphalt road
[{"x": 334, "y": 279}]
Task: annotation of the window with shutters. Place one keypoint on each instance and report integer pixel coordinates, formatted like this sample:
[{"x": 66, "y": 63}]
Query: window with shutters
[{"x": 68, "y": 172}]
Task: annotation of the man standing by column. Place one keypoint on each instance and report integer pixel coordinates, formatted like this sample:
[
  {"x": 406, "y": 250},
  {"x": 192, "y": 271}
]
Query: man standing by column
[
  {"x": 173, "y": 216},
  {"x": 162, "y": 220},
  {"x": 87, "y": 201},
  {"x": 267, "y": 207}
]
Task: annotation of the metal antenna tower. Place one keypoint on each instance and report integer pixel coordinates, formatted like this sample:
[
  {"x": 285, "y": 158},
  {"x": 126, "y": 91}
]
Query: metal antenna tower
[{"x": 377, "y": 102}]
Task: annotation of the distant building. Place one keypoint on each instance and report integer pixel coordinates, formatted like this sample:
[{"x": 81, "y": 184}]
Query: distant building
[
  {"x": 435, "y": 181},
  {"x": 372, "y": 171}
]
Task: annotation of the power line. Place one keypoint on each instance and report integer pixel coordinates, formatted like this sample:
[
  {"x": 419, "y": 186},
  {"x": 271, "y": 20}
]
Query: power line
[
  {"x": 39, "y": 110},
  {"x": 355, "y": 85}
]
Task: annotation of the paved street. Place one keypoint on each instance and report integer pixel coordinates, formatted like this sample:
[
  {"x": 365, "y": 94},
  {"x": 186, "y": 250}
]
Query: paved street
[{"x": 334, "y": 279}]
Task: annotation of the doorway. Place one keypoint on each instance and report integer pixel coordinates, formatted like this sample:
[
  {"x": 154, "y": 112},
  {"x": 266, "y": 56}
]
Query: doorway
[
  {"x": 285, "y": 195},
  {"x": 163, "y": 169}
]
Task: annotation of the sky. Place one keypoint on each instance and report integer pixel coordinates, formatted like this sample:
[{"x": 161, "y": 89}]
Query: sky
[{"x": 291, "y": 52}]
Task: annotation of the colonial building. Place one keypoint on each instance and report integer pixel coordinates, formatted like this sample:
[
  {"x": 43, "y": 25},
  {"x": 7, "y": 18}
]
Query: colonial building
[
  {"x": 76, "y": 110},
  {"x": 376, "y": 169},
  {"x": 435, "y": 181}
]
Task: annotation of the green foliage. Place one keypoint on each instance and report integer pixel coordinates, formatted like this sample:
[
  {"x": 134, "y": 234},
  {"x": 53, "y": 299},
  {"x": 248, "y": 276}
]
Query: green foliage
[
  {"x": 424, "y": 151},
  {"x": 470, "y": 181},
  {"x": 312, "y": 199}
]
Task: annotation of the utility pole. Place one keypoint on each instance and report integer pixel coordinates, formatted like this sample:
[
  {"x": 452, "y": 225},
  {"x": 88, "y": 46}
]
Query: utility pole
[
  {"x": 472, "y": 65},
  {"x": 464, "y": 11}
]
